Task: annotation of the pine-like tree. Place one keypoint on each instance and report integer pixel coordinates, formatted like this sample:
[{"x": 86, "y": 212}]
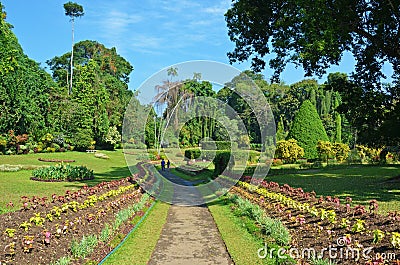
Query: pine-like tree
[
  {"x": 280, "y": 131},
  {"x": 338, "y": 130},
  {"x": 307, "y": 129},
  {"x": 313, "y": 97}
]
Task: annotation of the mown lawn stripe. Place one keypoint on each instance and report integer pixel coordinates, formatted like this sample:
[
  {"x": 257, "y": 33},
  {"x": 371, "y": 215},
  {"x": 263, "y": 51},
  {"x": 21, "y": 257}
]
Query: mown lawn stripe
[{"x": 138, "y": 247}]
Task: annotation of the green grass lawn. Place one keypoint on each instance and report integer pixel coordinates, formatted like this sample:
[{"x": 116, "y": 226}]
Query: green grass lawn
[
  {"x": 140, "y": 244},
  {"x": 13, "y": 185},
  {"x": 241, "y": 245},
  {"x": 361, "y": 182},
  {"x": 204, "y": 176}
]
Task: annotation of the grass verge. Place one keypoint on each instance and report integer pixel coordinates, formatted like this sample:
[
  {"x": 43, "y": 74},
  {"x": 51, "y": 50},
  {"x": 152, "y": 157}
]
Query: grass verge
[
  {"x": 139, "y": 245},
  {"x": 241, "y": 245},
  {"x": 204, "y": 176}
]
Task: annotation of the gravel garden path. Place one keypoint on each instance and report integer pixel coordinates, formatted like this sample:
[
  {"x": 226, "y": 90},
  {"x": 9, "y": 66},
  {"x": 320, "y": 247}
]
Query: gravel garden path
[{"x": 189, "y": 236}]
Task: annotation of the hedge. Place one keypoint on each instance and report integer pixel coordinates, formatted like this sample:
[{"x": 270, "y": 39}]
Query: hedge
[
  {"x": 193, "y": 153},
  {"x": 220, "y": 145},
  {"x": 221, "y": 162}
]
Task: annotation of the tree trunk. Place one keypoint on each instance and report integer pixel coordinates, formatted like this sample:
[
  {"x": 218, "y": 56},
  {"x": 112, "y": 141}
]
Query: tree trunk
[{"x": 72, "y": 58}]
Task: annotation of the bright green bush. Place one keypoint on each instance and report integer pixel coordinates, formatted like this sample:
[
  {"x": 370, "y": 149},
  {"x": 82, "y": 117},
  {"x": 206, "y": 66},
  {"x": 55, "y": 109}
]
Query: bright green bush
[
  {"x": 63, "y": 172},
  {"x": 82, "y": 140},
  {"x": 251, "y": 156},
  {"x": 307, "y": 129}
]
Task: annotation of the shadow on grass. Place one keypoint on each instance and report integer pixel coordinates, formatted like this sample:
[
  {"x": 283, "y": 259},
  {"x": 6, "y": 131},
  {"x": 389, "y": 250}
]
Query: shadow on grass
[
  {"x": 221, "y": 201},
  {"x": 114, "y": 173}
]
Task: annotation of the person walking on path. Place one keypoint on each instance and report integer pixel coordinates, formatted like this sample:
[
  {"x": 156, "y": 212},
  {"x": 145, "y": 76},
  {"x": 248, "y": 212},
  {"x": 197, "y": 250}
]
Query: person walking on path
[
  {"x": 162, "y": 164},
  {"x": 168, "y": 164}
]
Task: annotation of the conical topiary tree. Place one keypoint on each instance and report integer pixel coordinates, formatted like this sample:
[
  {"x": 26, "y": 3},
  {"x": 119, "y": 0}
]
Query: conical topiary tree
[{"x": 307, "y": 129}]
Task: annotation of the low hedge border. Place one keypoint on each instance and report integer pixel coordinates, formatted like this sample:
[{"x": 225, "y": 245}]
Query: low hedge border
[
  {"x": 55, "y": 160},
  {"x": 58, "y": 180}
]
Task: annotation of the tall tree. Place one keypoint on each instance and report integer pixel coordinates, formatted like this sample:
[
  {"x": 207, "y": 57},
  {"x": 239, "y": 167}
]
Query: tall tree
[
  {"x": 24, "y": 87},
  {"x": 72, "y": 10},
  {"x": 366, "y": 110},
  {"x": 280, "y": 131},
  {"x": 168, "y": 96},
  {"x": 338, "y": 128},
  {"x": 113, "y": 70},
  {"x": 90, "y": 97}
]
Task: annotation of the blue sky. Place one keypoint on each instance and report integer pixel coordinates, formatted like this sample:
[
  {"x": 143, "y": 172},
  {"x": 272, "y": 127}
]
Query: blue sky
[{"x": 151, "y": 34}]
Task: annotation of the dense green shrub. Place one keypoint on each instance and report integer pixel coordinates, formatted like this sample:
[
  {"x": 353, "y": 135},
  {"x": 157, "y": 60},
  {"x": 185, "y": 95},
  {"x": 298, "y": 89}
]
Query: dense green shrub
[
  {"x": 219, "y": 145},
  {"x": 222, "y": 161},
  {"x": 193, "y": 153},
  {"x": 62, "y": 172},
  {"x": 307, "y": 129},
  {"x": 56, "y": 147},
  {"x": 82, "y": 140},
  {"x": 208, "y": 154},
  {"x": 354, "y": 157},
  {"x": 256, "y": 147}
]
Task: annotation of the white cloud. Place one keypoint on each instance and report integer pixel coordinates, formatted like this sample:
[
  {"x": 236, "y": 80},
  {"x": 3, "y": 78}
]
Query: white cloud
[
  {"x": 145, "y": 42},
  {"x": 161, "y": 26},
  {"x": 117, "y": 22},
  {"x": 218, "y": 9},
  {"x": 215, "y": 10}
]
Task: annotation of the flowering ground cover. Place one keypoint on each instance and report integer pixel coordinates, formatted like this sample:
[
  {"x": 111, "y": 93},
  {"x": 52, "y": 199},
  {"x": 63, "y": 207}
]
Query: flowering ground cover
[
  {"x": 327, "y": 226},
  {"x": 72, "y": 224}
]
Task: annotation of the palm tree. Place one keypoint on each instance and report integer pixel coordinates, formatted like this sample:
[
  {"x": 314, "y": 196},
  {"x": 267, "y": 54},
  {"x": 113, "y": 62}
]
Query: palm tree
[{"x": 168, "y": 95}]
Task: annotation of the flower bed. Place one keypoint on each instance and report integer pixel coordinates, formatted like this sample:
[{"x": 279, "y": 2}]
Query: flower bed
[
  {"x": 326, "y": 222},
  {"x": 62, "y": 172},
  {"x": 44, "y": 229}
]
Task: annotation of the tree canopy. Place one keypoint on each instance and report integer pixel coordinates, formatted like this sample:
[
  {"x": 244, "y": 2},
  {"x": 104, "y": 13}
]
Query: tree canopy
[
  {"x": 73, "y": 10},
  {"x": 34, "y": 103},
  {"x": 24, "y": 87},
  {"x": 315, "y": 34}
]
